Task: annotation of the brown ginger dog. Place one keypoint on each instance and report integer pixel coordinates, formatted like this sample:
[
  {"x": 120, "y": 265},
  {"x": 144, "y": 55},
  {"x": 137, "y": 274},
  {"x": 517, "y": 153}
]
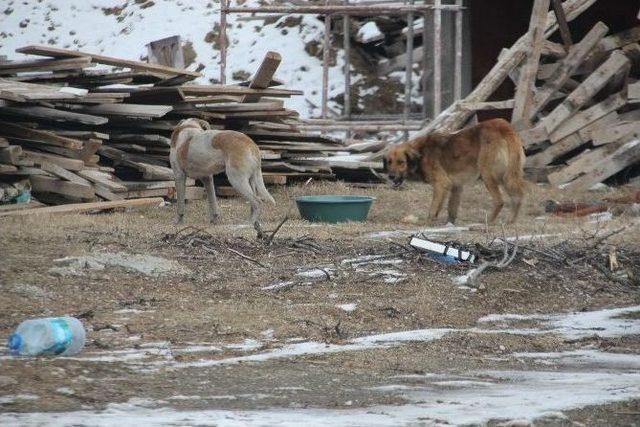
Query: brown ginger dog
[{"x": 491, "y": 150}]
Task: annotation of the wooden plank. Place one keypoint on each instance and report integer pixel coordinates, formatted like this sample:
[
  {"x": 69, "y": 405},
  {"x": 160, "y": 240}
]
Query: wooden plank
[
  {"x": 137, "y": 110},
  {"x": 570, "y": 142},
  {"x": 567, "y": 67},
  {"x": 616, "y": 41},
  {"x": 562, "y": 24},
  {"x": 587, "y": 89},
  {"x": 581, "y": 162},
  {"x": 103, "y": 179},
  {"x": 11, "y": 154},
  {"x": 87, "y": 207},
  {"x": 607, "y": 135},
  {"x": 624, "y": 156},
  {"x": 521, "y": 117},
  {"x": 12, "y": 130},
  {"x": 262, "y": 77},
  {"x": 21, "y": 92},
  {"x": 44, "y": 65},
  {"x": 583, "y": 118},
  {"x": 7, "y": 169},
  {"x": 194, "y": 90},
  {"x": 553, "y": 50},
  {"x": 53, "y": 114},
  {"x": 55, "y": 52},
  {"x": 45, "y": 184},
  {"x": 107, "y": 194},
  {"x": 63, "y": 173},
  {"x": 63, "y": 162}
]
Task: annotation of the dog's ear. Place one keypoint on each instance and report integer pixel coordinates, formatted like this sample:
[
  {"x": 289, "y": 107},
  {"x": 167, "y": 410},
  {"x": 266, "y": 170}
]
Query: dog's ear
[{"x": 204, "y": 124}]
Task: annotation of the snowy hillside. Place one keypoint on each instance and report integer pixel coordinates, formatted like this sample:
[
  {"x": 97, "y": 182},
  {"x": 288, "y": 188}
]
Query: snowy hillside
[{"x": 122, "y": 28}]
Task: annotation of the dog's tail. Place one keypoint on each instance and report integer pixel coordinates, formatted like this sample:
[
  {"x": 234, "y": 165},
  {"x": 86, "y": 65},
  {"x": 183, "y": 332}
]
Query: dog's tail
[{"x": 260, "y": 188}]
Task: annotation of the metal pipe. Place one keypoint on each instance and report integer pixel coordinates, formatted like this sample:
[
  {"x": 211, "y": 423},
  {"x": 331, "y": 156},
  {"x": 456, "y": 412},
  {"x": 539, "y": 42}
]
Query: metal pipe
[
  {"x": 326, "y": 47},
  {"x": 341, "y": 9},
  {"x": 347, "y": 65},
  {"x": 223, "y": 41},
  {"x": 408, "y": 68},
  {"x": 457, "y": 85},
  {"x": 425, "y": 66},
  {"x": 437, "y": 59}
]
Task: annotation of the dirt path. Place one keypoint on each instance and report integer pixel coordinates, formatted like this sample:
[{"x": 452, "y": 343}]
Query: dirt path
[{"x": 328, "y": 325}]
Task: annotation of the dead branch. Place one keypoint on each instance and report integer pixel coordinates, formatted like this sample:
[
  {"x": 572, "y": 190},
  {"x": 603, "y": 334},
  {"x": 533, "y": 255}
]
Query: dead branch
[
  {"x": 507, "y": 259},
  {"x": 382, "y": 177},
  {"x": 248, "y": 258}
]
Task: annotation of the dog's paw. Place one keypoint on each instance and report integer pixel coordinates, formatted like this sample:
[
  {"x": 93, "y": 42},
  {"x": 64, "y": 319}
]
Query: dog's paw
[
  {"x": 214, "y": 219},
  {"x": 178, "y": 220}
]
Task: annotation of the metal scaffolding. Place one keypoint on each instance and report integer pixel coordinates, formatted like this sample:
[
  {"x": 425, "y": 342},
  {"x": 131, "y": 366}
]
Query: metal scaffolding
[{"x": 431, "y": 10}]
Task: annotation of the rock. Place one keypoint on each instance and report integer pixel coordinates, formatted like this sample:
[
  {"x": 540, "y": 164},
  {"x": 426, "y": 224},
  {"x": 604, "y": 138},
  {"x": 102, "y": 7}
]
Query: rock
[
  {"x": 517, "y": 423},
  {"x": 146, "y": 264},
  {"x": 410, "y": 219}
]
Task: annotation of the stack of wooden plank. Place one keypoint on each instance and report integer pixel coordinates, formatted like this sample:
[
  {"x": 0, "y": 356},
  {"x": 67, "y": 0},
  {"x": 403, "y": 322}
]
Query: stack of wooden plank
[
  {"x": 82, "y": 133},
  {"x": 576, "y": 104}
]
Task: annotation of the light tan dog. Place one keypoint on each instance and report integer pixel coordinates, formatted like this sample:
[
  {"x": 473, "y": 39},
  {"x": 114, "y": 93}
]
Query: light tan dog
[
  {"x": 199, "y": 152},
  {"x": 491, "y": 150}
]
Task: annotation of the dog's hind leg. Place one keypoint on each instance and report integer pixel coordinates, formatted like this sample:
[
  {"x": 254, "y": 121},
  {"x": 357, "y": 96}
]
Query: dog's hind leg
[
  {"x": 515, "y": 190},
  {"x": 454, "y": 203},
  {"x": 181, "y": 181},
  {"x": 214, "y": 209},
  {"x": 494, "y": 189},
  {"x": 241, "y": 183}
]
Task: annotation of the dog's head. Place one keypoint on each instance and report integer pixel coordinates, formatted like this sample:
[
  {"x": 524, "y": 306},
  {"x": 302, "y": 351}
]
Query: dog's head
[
  {"x": 193, "y": 122},
  {"x": 400, "y": 162}
]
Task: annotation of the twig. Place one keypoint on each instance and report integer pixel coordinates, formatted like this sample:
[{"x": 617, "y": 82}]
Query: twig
[
  {"x": 248, "y": 258},
  {"x": 269, "y": 239}
]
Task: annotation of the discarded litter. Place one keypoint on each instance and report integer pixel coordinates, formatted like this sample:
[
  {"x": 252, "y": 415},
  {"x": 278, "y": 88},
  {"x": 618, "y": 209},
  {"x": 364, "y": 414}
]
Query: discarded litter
[
  {"x": 445, "y": 252},
  {"x": 59, "y": 336}
]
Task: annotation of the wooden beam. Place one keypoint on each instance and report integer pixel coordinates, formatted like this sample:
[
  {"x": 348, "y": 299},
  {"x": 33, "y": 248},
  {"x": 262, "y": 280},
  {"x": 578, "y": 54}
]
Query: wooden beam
[
  {"x": 583, "y": 93},
  {"x": 527, "y": 78},
  {"x": 12, "y": 130},
  {"x": 566, "y": 67},
  {"x": 74, "y": 190},
  {"x": 453, "y": 118},
  {"x": 86, "y": 207},
  {"x": 625, "y": 156},
  {"x": 562, "y": 24},
  {"x": 263, "y": 76},
  {"x": 102, "y": 59},
  {"x": 54, "y": 114}
]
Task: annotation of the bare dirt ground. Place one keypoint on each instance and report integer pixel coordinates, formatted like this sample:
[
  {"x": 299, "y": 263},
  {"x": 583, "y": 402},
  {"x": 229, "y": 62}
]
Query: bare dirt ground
[{"x": 330, "y": 324}]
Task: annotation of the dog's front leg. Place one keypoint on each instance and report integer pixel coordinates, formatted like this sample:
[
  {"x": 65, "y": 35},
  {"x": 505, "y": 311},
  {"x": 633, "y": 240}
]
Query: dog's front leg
[
  {"x": 440, "y": 191},
  {"x": 454, "y": 203},
  {"x": 181, "y": 180},
  {"x": 214, "y": 210}
]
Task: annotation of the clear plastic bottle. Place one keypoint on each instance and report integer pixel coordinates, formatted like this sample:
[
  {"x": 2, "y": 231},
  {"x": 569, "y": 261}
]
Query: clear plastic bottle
[{"x": 56, "y": 336}]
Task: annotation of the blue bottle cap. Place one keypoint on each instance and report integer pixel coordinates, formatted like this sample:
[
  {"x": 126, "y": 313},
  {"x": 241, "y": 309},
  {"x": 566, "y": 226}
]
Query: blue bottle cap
[{"x": 14, "y": 343}]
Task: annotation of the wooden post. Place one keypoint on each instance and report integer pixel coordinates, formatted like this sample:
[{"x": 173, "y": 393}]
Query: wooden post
[
  {"x": 223, "y": 41},
  {"x": 326, "y": 46},
  {"x": 526, "y": 81},
  {"x": 167, "y": 51},
  {"x": 437, "y": 58},
  {"x": 263, "y": 76},
  {"x": 347, "y": 66},
  {"x": 425, "y": 66},
  {"x": 457, "y": 82},
  {"x": 562, "y": 24},
  {"x": 408, "y": 69}
]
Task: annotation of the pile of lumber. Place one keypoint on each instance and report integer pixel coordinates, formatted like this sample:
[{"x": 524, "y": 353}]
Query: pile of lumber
[
  {"x": 576, "y": 103},
  {"x": 84, "y": 127}
]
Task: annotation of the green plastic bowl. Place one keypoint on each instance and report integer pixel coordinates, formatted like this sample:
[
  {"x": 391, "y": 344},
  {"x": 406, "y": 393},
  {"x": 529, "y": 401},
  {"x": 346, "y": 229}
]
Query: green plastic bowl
[{"x": 334, "y": 208}]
